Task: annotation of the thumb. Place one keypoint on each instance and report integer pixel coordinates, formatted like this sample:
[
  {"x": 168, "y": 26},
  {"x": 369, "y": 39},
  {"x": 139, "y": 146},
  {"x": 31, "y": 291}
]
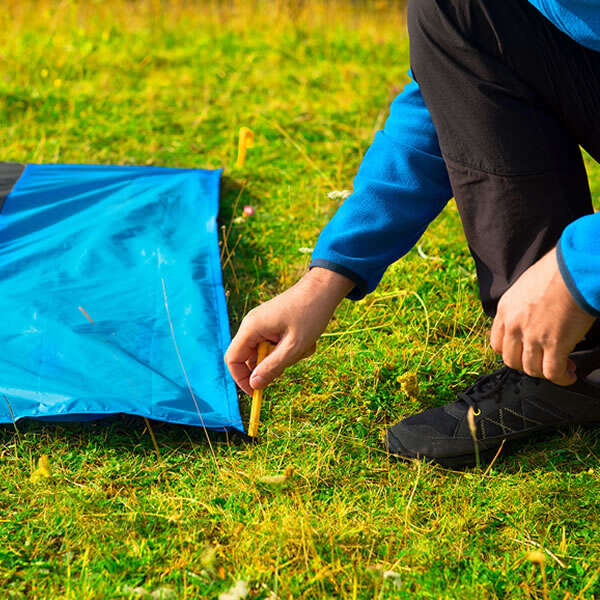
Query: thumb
[{"x": 282, "y": 356}]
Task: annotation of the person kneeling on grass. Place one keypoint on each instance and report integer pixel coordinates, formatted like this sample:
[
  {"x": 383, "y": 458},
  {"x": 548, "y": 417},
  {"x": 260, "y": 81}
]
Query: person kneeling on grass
[{"x": 503, "y": 94}]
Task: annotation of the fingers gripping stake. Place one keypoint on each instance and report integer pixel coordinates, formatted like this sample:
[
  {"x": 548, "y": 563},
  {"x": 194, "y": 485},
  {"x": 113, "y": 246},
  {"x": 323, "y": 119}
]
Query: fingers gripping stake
[{"x": 264, "y": 349}]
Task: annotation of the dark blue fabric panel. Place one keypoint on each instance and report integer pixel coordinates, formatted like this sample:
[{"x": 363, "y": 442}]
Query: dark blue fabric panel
[{"x": 136, "y": 250}]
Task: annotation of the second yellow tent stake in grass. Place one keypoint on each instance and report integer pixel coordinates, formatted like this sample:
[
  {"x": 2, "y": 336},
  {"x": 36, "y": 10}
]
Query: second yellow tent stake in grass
[{"x": 264, "y": 348}]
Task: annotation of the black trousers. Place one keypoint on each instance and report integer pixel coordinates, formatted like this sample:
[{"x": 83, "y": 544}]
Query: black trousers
[{"x": 512, "y": 98}]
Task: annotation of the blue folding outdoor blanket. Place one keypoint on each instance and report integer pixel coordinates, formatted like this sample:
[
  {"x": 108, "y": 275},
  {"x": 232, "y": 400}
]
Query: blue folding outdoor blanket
[{"x": 111, "y": 295}]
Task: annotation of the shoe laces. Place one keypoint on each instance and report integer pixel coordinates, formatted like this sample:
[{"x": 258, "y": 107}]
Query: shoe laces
[{"x": 488, "y": 386}]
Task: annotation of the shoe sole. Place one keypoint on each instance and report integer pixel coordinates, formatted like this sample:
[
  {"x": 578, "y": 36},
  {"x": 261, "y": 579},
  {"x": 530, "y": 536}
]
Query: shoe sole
[
  {"x": 485, "y": 456},
  {"x": 449, "y": 462}
]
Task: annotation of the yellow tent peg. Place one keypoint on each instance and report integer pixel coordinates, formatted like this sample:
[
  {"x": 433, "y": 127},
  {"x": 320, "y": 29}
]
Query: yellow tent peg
[
  {"x": 264, "y": 349},
  {"x": 246, "y": 140}
]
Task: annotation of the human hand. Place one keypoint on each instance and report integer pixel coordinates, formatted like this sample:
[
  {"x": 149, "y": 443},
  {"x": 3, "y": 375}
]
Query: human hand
[
  {"x": 538, "y": 323},
  {"x": 293, "y": 321}
]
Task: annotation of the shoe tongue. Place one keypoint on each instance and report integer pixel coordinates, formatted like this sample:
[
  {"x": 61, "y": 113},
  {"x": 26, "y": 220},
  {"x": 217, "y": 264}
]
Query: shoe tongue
[
  {"x": 480, "y": 389},
  {"x": 487, "y": 383}
]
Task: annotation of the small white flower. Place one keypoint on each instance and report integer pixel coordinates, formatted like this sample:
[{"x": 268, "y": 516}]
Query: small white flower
[
  {"x": 394, "y": 577},
  {"x": 425, "y": 256},
  {"x": 163, "y": 593},
  {"x": 338, "y": 194},
  {"x": 237, "y": 592},
  {"x": 305, "y": 250}
]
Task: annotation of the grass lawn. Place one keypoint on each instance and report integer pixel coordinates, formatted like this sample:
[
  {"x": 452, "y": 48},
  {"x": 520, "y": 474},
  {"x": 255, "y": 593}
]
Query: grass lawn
[{"x": 171, "y": 83}]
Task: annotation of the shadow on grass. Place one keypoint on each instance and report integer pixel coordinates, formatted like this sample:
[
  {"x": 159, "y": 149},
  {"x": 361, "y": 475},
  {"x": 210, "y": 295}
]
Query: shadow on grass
[
  {"x": 126, "y": 432},
  {"x": 243, "y": 271},
  {"x": 570, "y": 450}
]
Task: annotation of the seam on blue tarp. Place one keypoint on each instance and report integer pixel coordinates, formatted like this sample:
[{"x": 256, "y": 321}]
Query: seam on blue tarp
[
  {"x": 213, "y": 275},
  {"x": 160, "y": 416}
]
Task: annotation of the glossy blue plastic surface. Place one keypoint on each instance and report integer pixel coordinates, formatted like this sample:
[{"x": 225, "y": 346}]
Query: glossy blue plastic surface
[{"x": 111, "y": 297}]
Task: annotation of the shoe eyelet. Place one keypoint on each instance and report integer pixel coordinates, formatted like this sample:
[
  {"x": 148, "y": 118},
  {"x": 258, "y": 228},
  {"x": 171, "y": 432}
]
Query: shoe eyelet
[{"x": 476, "y": 412}]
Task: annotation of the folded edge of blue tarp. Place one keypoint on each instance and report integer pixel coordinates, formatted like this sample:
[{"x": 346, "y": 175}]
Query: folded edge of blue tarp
[{"x": 111, "y": 295}]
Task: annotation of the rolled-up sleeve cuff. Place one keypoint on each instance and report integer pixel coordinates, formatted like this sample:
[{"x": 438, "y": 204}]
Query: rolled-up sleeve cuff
[
  {"x": 361, "y": 289},
  {"x": 570, "y": 283}
]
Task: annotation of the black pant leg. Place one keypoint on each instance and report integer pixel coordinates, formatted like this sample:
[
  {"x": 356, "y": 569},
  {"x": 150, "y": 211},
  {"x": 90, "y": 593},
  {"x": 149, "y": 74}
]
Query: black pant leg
[{"x": 513, "y": 160}]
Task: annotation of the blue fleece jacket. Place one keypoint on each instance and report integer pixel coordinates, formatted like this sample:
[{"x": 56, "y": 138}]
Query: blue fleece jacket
[{"x": 402, "y": 185}]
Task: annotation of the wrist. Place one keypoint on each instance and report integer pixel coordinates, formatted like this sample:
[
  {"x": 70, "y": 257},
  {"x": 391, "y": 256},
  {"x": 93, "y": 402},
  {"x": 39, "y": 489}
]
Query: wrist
[{"x": 334, "y": 285}]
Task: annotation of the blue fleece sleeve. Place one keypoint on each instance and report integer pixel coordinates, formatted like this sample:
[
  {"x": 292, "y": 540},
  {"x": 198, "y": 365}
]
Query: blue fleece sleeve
[
  {"x": 579, "y": 19},
  {"x": 578, "y": 254},
  {"x": 400, "y": 187}
]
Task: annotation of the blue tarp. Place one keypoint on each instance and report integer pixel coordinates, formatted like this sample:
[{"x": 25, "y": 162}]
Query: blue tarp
[{"x": 111, "y": 296}]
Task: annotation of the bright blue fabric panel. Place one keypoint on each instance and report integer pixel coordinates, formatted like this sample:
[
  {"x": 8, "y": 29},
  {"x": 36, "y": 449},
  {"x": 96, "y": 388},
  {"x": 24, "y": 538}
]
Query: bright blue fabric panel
[
  {"x": 114, "y": 241},
  {"x": 579, "y": 19}
]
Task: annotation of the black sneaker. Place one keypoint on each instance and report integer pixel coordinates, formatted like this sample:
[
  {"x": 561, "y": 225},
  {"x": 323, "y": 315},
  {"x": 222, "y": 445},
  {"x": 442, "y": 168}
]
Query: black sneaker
[{"x": 507, "y": 405}]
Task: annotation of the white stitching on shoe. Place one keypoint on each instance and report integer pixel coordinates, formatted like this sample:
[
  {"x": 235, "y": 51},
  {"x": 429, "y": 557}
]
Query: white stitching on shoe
[
  {"x": 514, "y": 412},
  {"x": 501, "y": 425},
  {"x": 501, "y": 414}
]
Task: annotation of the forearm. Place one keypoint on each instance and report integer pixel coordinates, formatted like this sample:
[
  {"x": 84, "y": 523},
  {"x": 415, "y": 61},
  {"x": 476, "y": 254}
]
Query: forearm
[{"x": 400, "y": 187}]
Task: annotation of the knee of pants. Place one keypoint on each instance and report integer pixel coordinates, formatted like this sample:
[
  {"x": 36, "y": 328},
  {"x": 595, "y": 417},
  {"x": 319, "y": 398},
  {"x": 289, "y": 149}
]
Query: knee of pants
[
  {"x": 433, "y": 25},
  {"x": 423, "y": 19}
]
